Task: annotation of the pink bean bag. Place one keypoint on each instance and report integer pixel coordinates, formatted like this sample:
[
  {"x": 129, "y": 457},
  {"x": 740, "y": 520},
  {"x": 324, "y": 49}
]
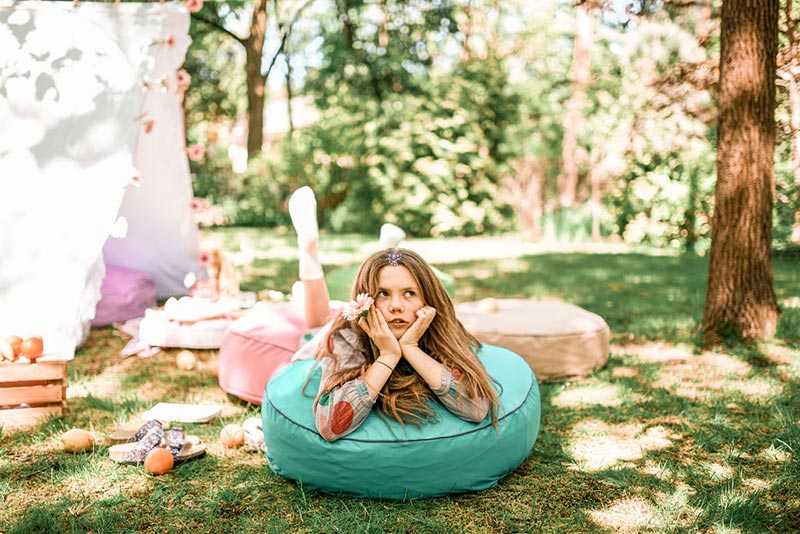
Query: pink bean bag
[
  {"x": 125, "y": 294},
  {"x": 257, "y": 345}
]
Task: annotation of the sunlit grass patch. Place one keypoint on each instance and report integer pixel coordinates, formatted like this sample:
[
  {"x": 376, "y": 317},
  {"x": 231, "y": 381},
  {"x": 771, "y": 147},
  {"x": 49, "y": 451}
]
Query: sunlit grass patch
[
  {"x": 701, "y": 376},
  {"x": 663, "y": 512},
  {"x": 589, "y": 394},
  {"x": 625, "y": 516},
  {"x": 597, "y": 445},
  {"x": 756, "y": 389},
  {"x": 716, "y": 471},
  {"x": 777, "y": 452},
  {"x": 624, "y": 372}
]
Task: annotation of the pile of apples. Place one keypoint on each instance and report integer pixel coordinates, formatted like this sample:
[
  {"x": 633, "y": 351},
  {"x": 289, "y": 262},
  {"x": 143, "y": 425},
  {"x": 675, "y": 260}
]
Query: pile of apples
[{"x": 13, "y": 347}]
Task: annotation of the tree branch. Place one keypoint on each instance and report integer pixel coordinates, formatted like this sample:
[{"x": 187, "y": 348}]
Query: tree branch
[
  {"x": 219, "y": 27},
  {"x": 286, "y": 29}
]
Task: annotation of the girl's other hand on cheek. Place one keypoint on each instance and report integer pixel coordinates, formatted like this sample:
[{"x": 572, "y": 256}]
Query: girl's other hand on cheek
[{"x": 425, "y": 316}]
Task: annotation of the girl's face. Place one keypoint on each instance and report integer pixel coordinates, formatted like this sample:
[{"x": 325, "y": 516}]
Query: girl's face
[{"x": 398, "y": 298}]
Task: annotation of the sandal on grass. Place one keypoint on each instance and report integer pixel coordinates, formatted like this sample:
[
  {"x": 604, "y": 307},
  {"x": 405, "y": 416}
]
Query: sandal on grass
[
  {"x": 181, "y": 446},
  {"x": 129, "y": 435}
]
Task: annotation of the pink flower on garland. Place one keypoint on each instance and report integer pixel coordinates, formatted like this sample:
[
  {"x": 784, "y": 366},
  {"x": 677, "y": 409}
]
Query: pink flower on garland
[
  {"x": 196, "y": 152},
  {"x": 193, "y": 5},
  {"x": 183, "y": 79},
  {"x": 204, "y": 259},
  {"x": 358, "y": 307}
]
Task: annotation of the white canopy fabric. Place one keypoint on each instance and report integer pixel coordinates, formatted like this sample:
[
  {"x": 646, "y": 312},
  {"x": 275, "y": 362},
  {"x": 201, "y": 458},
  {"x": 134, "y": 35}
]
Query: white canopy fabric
[
  {"x": 162, "y": 238},
  {"x": 71, "y": 95}
]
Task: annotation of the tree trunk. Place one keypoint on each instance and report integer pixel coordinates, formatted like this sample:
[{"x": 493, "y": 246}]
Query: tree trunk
[
  {"x": 289, "y": 93},
  {"x": 594, "y": 175},
  {"x": 741, "y": 300},
  {"x": 794, "y": 103},
  {"x": 574, "y": 119},
  {"x": 465, "y": 27},
  {"x": 256, "y": 81},
  {"x": 524, "y": 191}
]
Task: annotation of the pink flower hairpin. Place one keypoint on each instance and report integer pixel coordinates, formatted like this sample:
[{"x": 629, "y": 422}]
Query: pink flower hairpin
[{"x": 358, "y": 307}]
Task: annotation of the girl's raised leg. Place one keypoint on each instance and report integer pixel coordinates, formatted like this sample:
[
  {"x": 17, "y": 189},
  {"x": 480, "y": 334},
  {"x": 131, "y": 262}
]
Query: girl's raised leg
[{"x": 303, "y": 211}]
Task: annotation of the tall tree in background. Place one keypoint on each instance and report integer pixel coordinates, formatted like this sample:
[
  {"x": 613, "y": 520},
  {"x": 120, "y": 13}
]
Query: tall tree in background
[
  {"x": 213, "y": 15},
  {"x": 574, "y": 118},
  {"x": 256, "y": 78},
  {"x": 741, "y": 299}
]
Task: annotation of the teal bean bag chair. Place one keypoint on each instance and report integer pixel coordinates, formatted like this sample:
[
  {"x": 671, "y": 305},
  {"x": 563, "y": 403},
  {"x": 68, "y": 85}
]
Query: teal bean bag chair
[
  {"x": 384, "y": 459},
  {"x": 340, "y": 282}
]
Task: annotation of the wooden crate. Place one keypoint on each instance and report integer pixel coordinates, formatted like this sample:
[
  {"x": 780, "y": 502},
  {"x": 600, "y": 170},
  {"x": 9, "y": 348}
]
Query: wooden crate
[{"x": 30, "y": 392}]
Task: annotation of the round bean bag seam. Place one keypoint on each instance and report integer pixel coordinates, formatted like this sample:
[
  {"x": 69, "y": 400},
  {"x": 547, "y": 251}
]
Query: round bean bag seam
[
  {"x": 242, "y": 395},
  {"x": 581, "y": 333},
  {"x": 260, "y": 341},
  {"x": 471, "y": 431},
  {"x": 297, "y": 452}
]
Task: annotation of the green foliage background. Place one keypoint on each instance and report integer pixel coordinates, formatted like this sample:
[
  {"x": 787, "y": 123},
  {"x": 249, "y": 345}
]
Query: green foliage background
[{"x": 415, "y": 132}]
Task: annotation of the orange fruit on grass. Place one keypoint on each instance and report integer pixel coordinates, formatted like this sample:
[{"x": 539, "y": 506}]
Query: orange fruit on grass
[
  {"x": 16, "y": 344},
  {"x": 231, "y": 436},
  {"x": 32, "y": 347},
  {"x": 159, "y": 461}
]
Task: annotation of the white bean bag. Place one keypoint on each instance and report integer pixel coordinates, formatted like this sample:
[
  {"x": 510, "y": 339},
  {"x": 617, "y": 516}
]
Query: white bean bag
[
  {"x": 557, "y": 339},
  {"x": 157, "y": 330},
  {"x": 384, "y": 459}
]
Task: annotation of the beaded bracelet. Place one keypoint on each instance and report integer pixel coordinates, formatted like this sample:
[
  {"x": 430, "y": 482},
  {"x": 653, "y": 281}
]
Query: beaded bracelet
[{"x": 385, "y": 365}]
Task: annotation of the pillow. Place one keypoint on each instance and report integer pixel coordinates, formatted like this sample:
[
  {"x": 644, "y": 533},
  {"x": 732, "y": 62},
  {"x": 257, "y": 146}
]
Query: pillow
[
  {"x": 385, "y": 459},
  {"x": 125, "y": 294}
]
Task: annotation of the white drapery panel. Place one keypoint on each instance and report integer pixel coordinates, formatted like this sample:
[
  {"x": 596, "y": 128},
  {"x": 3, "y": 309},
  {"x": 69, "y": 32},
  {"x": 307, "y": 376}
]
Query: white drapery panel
[
  {"x": 71, "y": 89},
  {"x": 162, "y": 236}
]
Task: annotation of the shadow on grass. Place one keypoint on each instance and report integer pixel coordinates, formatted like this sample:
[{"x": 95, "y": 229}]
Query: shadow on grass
[
  {"x": 650, "y": 443},
  {"x": 642, "y": 296},
  {"x": 725, "y": 458}
]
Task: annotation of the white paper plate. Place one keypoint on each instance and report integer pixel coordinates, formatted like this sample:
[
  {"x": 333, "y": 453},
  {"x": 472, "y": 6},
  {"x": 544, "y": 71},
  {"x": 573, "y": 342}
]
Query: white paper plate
[{"x": 183, "y": 413}]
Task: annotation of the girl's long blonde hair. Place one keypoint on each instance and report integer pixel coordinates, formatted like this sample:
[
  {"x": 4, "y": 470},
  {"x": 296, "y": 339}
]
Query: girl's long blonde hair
[{"x": 405, "y": 395}]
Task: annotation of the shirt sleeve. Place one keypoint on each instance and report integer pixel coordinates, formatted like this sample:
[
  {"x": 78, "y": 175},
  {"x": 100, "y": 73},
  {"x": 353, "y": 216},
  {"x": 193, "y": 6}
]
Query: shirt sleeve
[
  {"x": 451, "y": 393},
  {"x": 341, "y": 410}
]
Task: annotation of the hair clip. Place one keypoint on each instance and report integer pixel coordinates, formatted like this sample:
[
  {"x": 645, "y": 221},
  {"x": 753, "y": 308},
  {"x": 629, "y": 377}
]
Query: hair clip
[{"x": 394, "y": 257}]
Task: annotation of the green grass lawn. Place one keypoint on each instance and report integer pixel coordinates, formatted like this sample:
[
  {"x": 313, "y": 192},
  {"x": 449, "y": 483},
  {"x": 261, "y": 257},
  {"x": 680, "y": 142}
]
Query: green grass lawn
[{"x": 665, "y": 438}]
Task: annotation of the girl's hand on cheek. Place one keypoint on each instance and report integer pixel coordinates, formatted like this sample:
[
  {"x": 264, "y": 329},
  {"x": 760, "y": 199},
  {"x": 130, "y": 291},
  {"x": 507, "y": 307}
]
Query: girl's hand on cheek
[
  {"x": 379, "y": 332},
  {"x": 425, "y": 316}
]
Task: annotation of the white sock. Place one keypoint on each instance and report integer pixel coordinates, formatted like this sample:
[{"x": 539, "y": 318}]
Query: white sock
[
  {"x": 303, "y": 211},
  {"x": 391, "y": 236}
]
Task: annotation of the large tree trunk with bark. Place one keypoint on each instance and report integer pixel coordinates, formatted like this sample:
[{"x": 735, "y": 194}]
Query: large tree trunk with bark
[
  {"x": 256, "y": 81},
  {"x": 741, "y": 299}
]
